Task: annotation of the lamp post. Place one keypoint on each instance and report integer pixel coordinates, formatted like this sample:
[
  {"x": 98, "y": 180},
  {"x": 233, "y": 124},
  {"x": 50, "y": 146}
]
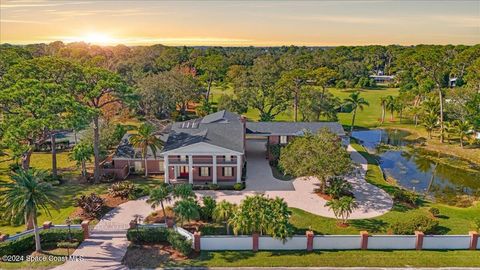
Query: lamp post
[{"x": 68, "y": 221}]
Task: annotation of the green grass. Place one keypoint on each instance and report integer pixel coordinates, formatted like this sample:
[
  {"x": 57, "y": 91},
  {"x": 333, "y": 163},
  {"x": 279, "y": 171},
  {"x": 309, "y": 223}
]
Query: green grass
[
  {"x": 66, "y": 191},
  {"x": 48, "y": 256},
  {"x": 350, "y": 258}
]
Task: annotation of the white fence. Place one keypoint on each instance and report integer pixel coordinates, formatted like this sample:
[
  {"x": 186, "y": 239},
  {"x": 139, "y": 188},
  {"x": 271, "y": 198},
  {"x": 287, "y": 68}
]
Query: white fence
[
  {"x": 446, "y": 242},
  {"x": 392, "y": 242},
  {"x": 27, "y": 232},
  {"x": 338, "y": 242},
  {"x": 226, "y": 242}
]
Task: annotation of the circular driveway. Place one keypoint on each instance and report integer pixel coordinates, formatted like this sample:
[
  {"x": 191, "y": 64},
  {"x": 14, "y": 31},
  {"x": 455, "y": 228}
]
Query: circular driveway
[{"x": 299, "y": 193}]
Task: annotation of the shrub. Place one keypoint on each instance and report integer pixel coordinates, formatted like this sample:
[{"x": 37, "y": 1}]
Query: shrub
[
  {"x": 274, "y": 151},
  {"x": 47, "y": 237},
  {"x": 123, "y": 189},
  {"x": 179, "y": 242},
  {"x": 238, "y": 186},
  {"x": 213, "y": 186},
  {"x": 14, "y": 167},
  {"x": 406, "y": 196},
  {"x": 421, "y": 223},
  {"x": 434, "y": 211},
  {"x": 338, "y": 187},
  {"x": 147, "y": 235},
  {"x": 92, "y": 205},
  {"x": 67, "y": 244},
  {"x": 476, "y": 224},
  {"x": 206, "y": 211}
]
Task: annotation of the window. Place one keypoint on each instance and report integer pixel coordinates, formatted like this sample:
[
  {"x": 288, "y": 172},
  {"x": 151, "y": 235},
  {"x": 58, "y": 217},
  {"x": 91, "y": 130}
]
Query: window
[
  {"x": 227, "y": 171},
  {"x": 204, "y": 171},
  {"x": 161, "y": 166},
  {"x": 183, "y": 158},
  {"x": 283, "y": 139},
  {"x": 184, "y": 169},
  {"x": 138, "y": 166},
  {"x": 228, "y": 158}
]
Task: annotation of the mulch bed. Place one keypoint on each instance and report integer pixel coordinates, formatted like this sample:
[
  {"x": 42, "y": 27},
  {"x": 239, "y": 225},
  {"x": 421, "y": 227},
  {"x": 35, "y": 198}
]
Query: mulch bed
[
  {"x": 152, "y": 256},
  {"x": 157, "y": 216},
  {"x": 323, "y": 196},
  {"x": 110, "y": 203}
]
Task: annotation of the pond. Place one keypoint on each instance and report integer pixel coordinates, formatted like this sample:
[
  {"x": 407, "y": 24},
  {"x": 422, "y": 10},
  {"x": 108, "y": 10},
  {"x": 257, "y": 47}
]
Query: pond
[{"x": 440, "y": 177}]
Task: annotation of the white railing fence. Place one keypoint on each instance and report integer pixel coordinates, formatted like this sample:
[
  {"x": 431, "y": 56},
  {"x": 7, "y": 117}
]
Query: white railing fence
[{"x": 46, "y": 226}]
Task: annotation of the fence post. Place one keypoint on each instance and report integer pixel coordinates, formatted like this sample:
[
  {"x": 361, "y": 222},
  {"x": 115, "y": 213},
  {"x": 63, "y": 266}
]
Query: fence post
[
  {"x": 196, "y": 241},
  {"x": 3, "y": 237},
  {"x": 47, "y": 225},
  {"x": 473, "y": 240},
  {"x": 255, "y": 242},
  {"x": 310, "y": 236},
  {"x": 364, "y": 240},
  {"x": 419, "y": 240},
  {"x": 170, "y": 223},
  {"x": 85, "y": 228}
]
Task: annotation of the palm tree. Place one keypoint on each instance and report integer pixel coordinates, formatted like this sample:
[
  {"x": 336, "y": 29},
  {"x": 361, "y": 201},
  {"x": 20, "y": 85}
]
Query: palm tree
[
  {"x": 25, "y": 195},
  {"x": 82, "y": 153},
  {"x": 430, "y": 122},
  {"x": 223, "y": 212},
  {"x": 383, "y": 102},
  {"x": 356, "y": 102},
  {"x": 160, "y": 195},
  {"x": 342, "y": 208},
  {"x": 390, "y": 105},
  {"x": 462, "y": 129},
  {"x": 187, "y": 209},
  {"x": 144, "y": 139}
]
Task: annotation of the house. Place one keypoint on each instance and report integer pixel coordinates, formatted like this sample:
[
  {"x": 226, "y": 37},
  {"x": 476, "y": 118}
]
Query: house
[
  {"x": 382, "y": 78},
  {"x": 211, "y": 149}
]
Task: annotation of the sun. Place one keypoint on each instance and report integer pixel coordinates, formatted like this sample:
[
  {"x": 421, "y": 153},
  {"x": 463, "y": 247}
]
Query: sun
[{"x": 98, "y": 38}]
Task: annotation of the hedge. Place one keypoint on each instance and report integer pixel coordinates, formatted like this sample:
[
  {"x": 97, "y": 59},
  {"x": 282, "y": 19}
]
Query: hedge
[
  {"x": 48, "y": 238},
  {"x": 159, "y": 235}
]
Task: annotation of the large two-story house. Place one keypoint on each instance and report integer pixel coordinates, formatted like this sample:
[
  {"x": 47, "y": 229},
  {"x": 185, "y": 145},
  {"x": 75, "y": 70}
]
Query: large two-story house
[{"x": 211, "y": 149}]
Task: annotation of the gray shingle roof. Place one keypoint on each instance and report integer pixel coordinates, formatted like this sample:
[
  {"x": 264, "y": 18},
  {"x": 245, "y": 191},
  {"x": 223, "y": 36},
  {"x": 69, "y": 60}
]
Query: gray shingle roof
[
  {"x": 223, "y": 129},
  {"x": 126, "y": 151},
  {"x": 292, "y": 128}
]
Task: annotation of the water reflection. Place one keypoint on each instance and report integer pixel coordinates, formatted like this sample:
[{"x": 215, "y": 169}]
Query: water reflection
[{"x": 417, "y": 169}]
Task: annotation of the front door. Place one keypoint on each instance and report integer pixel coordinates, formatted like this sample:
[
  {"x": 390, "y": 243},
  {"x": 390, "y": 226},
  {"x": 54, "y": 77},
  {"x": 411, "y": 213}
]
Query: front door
[{"x": 183, "y": 171}]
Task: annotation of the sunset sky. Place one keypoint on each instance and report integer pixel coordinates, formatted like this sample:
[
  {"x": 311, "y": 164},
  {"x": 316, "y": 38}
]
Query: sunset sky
[{"x": 241, "y": 23}]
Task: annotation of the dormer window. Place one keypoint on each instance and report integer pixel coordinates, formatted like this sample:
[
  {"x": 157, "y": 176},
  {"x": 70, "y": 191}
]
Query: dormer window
[
  {"x": 228, "y": 158},
  {"x": 183, "y": 158}
]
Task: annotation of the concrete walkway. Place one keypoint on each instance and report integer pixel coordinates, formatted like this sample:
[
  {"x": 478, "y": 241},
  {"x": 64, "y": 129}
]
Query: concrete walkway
[
  {"x": 108, "y": 243},
  {"x": 299, "y": 193}
]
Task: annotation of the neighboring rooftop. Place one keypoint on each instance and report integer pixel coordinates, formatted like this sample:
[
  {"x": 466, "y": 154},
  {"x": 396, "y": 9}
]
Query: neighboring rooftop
[{"x": 292, "y": 128}]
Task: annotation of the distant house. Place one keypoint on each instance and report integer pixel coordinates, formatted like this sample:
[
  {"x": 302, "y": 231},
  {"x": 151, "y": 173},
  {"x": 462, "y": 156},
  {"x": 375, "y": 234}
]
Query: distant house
[
  {"x": 452, "y": 82},
  {"x": 211, "y": 149},
  {"x": 382, "y": 78}
]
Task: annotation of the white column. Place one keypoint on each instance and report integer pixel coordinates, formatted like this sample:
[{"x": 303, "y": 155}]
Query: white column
[
  {"x": 214, "y": 169},
  {"x": 175, "y": 172},
  {"x": 165, "y": 165},
  {"x": 239, "y": 169},
  {"x": 190, "y": 169}
]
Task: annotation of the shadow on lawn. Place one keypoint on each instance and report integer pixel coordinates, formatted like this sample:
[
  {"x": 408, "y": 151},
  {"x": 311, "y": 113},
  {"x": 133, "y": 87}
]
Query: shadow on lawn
[{"x": 370, "y": 225}]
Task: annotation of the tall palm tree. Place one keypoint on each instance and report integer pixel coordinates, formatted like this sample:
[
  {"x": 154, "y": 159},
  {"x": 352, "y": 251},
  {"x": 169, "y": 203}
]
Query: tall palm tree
[
  {"x": 25, "y": 195},
  {"x": 159, "y": 196},
  {"x": 462, "y": 129},
  {"x": 356, "y": 102},
  {"x": 144, "y": 139},
  {"x": 383, "y": 102},
  {"x": 223, "y": 212},
  {"x": 390, "y": 105},
  {"x": 430, "y": 121}
]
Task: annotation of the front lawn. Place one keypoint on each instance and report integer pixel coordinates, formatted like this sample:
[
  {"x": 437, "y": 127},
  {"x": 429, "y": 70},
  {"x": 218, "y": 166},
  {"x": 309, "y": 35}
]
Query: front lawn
[{"x": 49, "y": 258}]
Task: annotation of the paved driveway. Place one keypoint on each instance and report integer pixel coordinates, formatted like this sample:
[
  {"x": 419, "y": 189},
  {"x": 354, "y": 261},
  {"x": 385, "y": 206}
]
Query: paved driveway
[{"x": 298, "y": 193}]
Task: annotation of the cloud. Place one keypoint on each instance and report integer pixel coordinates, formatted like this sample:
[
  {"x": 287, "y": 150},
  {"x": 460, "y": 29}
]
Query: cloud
[
  {"x": 23, "y": 21},
  {"x": 38, "y": 3}
]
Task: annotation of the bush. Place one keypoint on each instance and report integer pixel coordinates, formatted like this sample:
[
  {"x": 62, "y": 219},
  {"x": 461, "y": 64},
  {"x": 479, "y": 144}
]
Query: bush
[
  {"x": 406, "y": 196},
  {"x": 67, "y": 244},
  {"x": 47, "y": 237},
  {"x": 147, "y": 235},
  {"x": 341, "y": 84},
  {"x": 179, "y": 242},
  {"x": 476, "y": 224},
  {"x": 434, "y": 211},
  {"x": 338, "y": 187},
  {"x": 92, "y": 205},
  {"x": 421, "y": 223},
  {"x": 123, "y": 189},
  {"x": 14, "y": 167},
  {"x": 238, "y": 186},
  {"x": 206, "y": 211},
  {"x": 213, "y": 186},
  {"x": 274, "y": 151}
]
